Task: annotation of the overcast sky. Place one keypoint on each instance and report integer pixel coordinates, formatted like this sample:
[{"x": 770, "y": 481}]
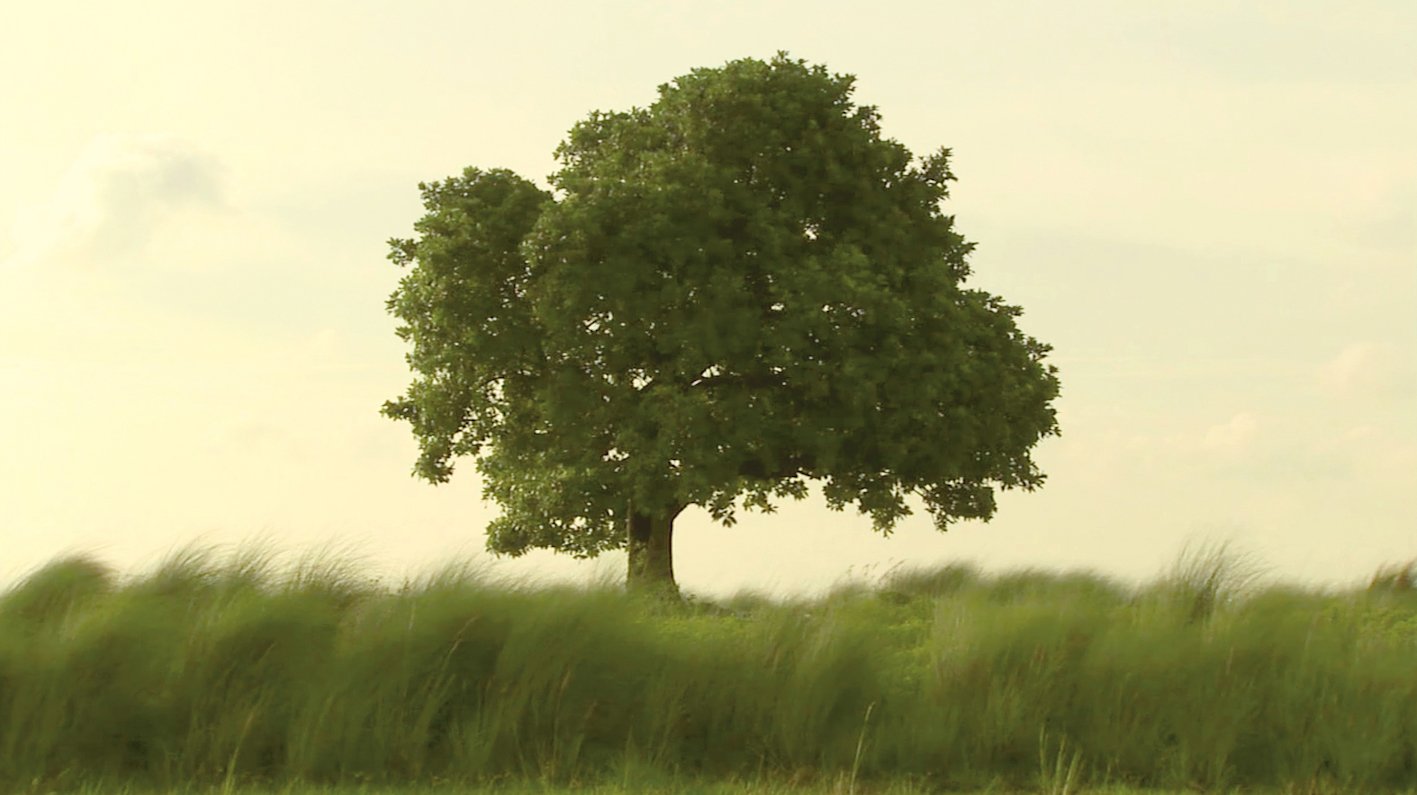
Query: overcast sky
[{"x": 1209, "y": 209}]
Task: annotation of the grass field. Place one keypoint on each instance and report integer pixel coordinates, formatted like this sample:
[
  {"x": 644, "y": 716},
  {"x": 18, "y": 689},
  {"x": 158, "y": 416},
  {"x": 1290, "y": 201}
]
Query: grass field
[
  {"x": 210, "y": 675},
  {"x": 672, "y": 788}
]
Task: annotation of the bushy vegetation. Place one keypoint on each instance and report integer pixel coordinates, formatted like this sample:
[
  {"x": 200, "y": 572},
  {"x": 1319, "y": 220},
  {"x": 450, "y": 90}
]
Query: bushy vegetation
[{"x": 223, "y": 672}]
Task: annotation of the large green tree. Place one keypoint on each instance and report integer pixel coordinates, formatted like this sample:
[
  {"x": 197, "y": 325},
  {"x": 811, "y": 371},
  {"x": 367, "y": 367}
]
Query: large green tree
[{"x": 737, "y": 290}]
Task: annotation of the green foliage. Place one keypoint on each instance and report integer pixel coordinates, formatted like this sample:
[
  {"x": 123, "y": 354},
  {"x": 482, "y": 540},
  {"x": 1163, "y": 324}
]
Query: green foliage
[
  {"x": 735, "y": 290},
  {"x": 49, "y": 594},
  {"x": 201, "y": 674},
  {"x": 1398, "y": 581},
  {"x": 1205, "y": 578}
]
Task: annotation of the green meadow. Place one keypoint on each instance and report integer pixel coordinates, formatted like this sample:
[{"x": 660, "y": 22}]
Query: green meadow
[{"x": 219, "y": 674}]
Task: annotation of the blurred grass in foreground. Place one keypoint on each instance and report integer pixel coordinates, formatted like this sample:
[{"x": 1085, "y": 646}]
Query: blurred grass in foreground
[{"x": 224, "y": 674}]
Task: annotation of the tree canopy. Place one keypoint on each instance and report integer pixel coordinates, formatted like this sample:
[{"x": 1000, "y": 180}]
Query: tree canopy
[{"x": 732, "y": 292}]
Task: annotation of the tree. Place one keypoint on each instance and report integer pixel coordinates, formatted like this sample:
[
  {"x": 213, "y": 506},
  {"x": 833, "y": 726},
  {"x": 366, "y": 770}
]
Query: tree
[{"x": 733, "y": 292}]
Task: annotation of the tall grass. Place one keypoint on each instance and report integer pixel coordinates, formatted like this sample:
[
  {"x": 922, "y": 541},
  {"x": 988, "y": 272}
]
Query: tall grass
[{"x": 227, "y": 673}]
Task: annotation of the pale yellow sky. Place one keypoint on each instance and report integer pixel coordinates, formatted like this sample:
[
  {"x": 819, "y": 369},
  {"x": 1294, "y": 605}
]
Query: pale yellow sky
[{"x": 1209, "y": 209}]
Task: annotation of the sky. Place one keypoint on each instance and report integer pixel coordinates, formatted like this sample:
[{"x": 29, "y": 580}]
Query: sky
[{"x": 1208, "y": 209}]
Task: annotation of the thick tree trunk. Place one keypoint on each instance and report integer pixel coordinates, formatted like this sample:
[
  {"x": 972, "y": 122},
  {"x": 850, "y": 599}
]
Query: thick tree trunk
[{"x": 651, "y": 547}]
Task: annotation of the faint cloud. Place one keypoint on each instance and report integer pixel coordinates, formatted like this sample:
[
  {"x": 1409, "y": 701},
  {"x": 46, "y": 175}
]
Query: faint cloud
[
  {"x": 326, "y": 350},
  {"x": 1391, "y": 223},
  {"x": 326, "y": 342},
  {"x": 254, "y": 436},
  {"x": 113, "y": 198},
  {"x": 1284, "y": 43},
  {"x": 1234, "y": 435},
  {"x": 1396, "y": 229},
  {"x": 1358, "y": 434},
  {"x": 1109, "y": 453},
  {"x": 1371, "y": 452},
  {"x": 1365, "y": 369}
]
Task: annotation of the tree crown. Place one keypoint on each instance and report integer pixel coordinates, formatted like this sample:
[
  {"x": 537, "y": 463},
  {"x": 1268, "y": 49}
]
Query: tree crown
[{"x": 733, "y": 291}]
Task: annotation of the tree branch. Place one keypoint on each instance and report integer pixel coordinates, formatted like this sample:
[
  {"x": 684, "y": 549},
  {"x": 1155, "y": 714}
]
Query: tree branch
[{"x": 792, "y": 467}]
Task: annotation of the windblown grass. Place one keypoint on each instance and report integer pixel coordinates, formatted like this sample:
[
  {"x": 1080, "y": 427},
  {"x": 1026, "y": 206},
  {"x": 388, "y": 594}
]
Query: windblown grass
[{"x": 225, "y": 673}]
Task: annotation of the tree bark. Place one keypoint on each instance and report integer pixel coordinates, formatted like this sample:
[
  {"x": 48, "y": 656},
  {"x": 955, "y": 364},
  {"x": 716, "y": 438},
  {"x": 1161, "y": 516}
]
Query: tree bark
[{"x": 651, "y": 548}]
